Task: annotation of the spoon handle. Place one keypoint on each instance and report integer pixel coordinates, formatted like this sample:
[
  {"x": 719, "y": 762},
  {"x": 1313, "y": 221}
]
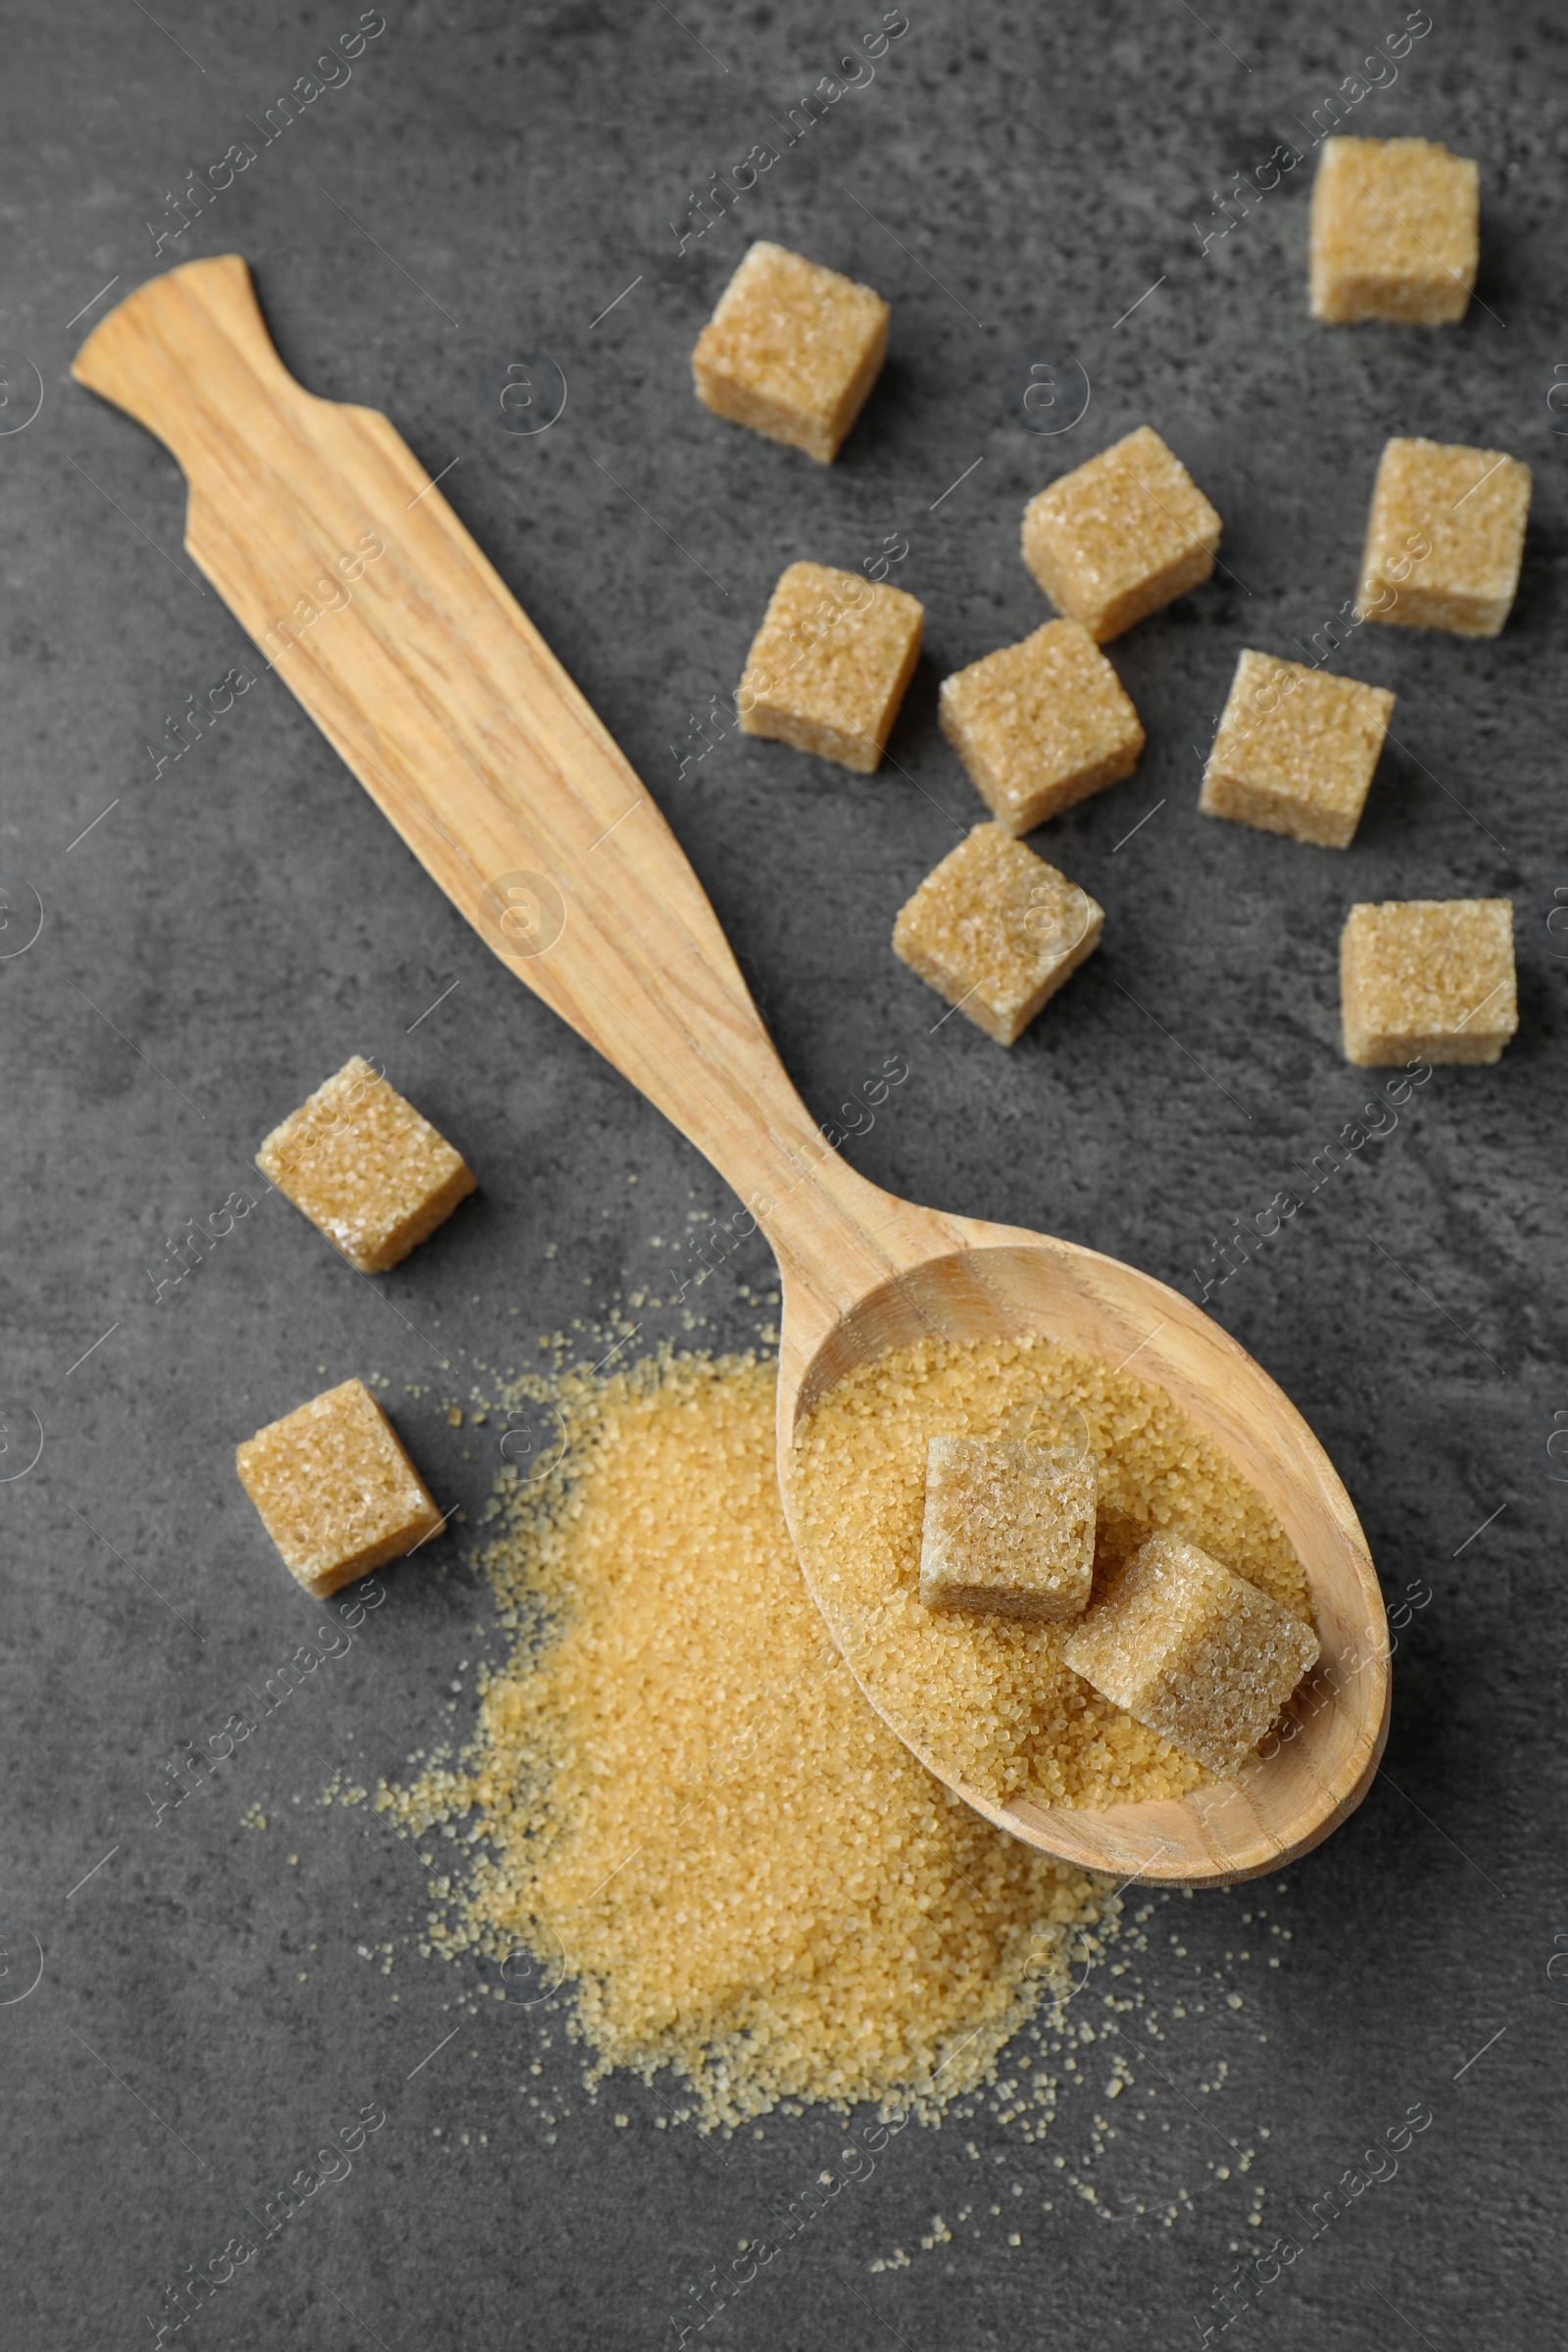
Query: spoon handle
[{"x": 328, "y": 540}]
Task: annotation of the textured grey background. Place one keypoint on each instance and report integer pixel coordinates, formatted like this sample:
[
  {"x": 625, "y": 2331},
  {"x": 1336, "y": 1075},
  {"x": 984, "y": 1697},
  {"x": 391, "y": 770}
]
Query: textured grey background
[{"x": 240, "y": 922}]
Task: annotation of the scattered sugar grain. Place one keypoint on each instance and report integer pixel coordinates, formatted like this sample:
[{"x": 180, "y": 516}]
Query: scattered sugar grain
[{"x": 687, "y": 1812}]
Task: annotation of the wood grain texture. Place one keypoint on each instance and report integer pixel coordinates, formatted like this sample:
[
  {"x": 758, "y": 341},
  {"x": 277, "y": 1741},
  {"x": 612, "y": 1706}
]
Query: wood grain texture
[{"x": 327, "y": 539}]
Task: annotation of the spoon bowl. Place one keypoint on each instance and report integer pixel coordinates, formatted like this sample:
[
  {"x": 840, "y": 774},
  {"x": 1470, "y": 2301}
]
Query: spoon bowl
[
  {"x": 965, "y": 1281},
  {"x": 336, "y": 549}
]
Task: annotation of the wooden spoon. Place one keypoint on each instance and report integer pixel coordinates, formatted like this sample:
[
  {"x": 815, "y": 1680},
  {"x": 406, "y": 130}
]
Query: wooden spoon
[{"x": 330, "y": 540}]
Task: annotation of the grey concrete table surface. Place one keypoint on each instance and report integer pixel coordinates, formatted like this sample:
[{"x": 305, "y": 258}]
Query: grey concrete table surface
[{"x": 476, "y": 197}]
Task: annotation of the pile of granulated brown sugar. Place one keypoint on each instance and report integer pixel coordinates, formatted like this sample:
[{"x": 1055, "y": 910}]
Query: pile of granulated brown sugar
[
  {"x": 684, "y": 1805},
  {"x": 989, "y": 1698}
]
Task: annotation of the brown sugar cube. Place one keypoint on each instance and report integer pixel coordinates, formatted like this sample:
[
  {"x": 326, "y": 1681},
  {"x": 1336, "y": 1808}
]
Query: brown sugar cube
[
  {"x": 828, "y": 667},
  {"x": 1008, "y": 1530},
  {"x": 996, "y": 930},
  {"x": 1444, "y": 538},
  {"x": 1041, "y": 725},
  {"x": 1428, "y": 980},
  {"x": 792, "y": 350},
  {"x": 365, "y": 1168},
  {"x": 1193, "y": 1651},
  {"x": 1395, "y": 233},
  {"x": 336, "y": 1492},
  {"x": 1121, "y": 536},
  {"x": 1296, "y": 750}
]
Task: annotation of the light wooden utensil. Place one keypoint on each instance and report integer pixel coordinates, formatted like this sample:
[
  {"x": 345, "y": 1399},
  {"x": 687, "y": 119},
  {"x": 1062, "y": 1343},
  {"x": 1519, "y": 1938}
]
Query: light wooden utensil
[{"x": 441, "y": 696}]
